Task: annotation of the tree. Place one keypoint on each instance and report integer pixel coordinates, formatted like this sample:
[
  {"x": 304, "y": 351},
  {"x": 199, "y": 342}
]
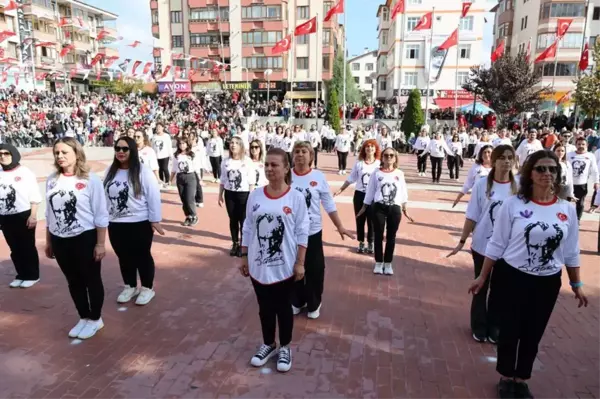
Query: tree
[
  {"x": 508, "y": 86},
  {"x": 337, "y": 82},
  {"x": 333, "y": 110},
  {"x": 587, "y": 92},
  {"x": 413, "y": 114},
  {"x": 125, "y": 87}
]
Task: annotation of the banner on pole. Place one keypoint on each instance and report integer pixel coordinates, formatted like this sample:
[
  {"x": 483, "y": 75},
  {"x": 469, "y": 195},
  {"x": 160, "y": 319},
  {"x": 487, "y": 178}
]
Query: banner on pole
[{"x": 438, "y": 57}]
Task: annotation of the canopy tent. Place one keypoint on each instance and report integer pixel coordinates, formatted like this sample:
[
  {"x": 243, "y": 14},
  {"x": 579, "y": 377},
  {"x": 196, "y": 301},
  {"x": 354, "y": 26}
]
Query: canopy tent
[{"x": 479, "y": 107}]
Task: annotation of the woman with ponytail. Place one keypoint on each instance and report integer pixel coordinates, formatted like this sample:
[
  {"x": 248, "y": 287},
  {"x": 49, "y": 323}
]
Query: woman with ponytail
[{"x": 486, "y": 199}]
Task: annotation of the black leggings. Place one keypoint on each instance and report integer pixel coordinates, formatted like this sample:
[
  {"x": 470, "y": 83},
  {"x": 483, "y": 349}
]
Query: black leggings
[
  {"x": 309, "y": 290},
  {"x": 199, "y": 194},
  {"x": 342, "y": 159},
  {"x": 215, "y": 164},
  {"x": 580, "y": 192},
  {"x": 316, "y": 151},
  {"x": 385, "y": 218},
  {"x": 453, "y": 166},
  {"x": 484, "y": 308},
  {"x": 235, "y": 201},
  {"x": 132, "y": 243},
  {"x": 21, "y": 241},
  {"x": 75, "y": 257},
  {"x": 186, "y": 186},
  {"x": 275, "y": 307},
  {"x": 163, "y": 170},
  {"x": 421, "y": 162},
  {"x": 367, "y": 217},
  {"x": 436, "y": 168}
]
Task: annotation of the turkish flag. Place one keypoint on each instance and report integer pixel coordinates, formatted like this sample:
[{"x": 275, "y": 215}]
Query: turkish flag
[
  {"x": 45, "y": 44},
  {"x": 98, "y": 74},
  {"x": 306, "y": 28},
  {"x": 135, "y": 44},
  {"x": 101, "y": 35},
  {"x": 282, "y": 46},
  {"x": 12, "y": 5},
  {"x": 147, "y": 68},
  {"x": 5, "y": 34},
  {"x": 110, "y": 60},
  {"x": 165, "y": 72},
  {"x": 584, "y": 61},
  {"x": 135, "y": 66},
  {"x": 498, "y": 52},
  {"x": 398, "y": 9},
  {"x": 96, "y": 59},
  {"x": 191, "y": 73},
  {"x": 550, "y": 52},
  {"x": 424, "y": 22},
  {"x": 338, "y": 8},
  {"x": 562, "y": 26},
  {"x": 63, "y": 22},
  {"x": 451, "y": 41},
  {"x": 465, "y": 9}
]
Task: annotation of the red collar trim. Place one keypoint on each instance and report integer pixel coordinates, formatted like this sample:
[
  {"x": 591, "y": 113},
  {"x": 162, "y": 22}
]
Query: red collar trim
[
  {"x": 302, "y": 174},
  {"x": 552, "y": 201},
  {"x": 68, "y": 174},
  {"x": 274, "y": 198},
  {"x": 501, "y": 182}
]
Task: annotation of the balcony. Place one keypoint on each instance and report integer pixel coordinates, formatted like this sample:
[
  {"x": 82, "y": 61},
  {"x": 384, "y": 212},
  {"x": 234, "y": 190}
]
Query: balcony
[
  {"x": 45, "y": 62},
  {"x": 154, "y": 5},
  {"x": 41, "y": 36},
  {"x": 207, "y": 3},
  {"x": 208, "y": 26},
  {"x": 155, "y": 31},
  {"x": 110, "y": 33},
  {"x": 41, "y": 9},
  {"x": 108, "y": 51}
]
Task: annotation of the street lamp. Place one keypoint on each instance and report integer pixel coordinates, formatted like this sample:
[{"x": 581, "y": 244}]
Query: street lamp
[{"x": 268, "y": 73}]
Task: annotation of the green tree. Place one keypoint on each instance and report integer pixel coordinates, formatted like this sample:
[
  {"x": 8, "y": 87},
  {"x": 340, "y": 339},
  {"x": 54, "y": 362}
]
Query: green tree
[
  {"x": 414, "y": 117},
  {"x": 333, "y": 110},
  {"x": 587, "y": 92},
  {"x": 508, "y": 86},
  {"x": 353, "y": 95},
  {"x": 120, "y": 87}
]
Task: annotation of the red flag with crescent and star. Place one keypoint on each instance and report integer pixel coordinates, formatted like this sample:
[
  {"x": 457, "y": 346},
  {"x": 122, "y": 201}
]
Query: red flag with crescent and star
[
  {"x": 96, "y": 59},
  {"x": 465, "y": 9},
  {"x": 12, "y": 5},
  {"x": 101, "y": 35},
  {"x": 338, "y": 8},
  {"x": 498, "y": 52},
  {"x": 398, "y": 9},
  {"x": 451, "y": 41},
  {"x": 135, "y": 66},
  {"x": 424, "y": 22},
  {"x": 282, "y": 46},
  {"x": 147, "y": 68},
  {"x": 562, "y": 26},
  {"x": 165, "y": 72},
  {"x": 550, "y": 52},
  {"x": 306, "y": 28},
  {"x": 584, "y": 61}
]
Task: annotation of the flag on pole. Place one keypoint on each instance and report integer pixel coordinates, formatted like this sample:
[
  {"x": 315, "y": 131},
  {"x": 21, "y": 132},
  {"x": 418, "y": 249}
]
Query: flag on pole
[
  {"x": 123, "y": 65},
  {"x": 147, "y": 68},
  {"x": 338, "y": 8},
  {"x": 101, "y": 35},
  {"x": 282, "y": 46},
  {"x": 424, "y": 22},
  {"x": 96, "y": 59},
  {"x": 135, "y": 44},
  {"x": 135, "y": 66},
  {"x": 499, "y": 51},
  {"x": 565, "y": 97},
  {"x": 398, "y": 9},
  {"x": 584, "y": 61},
  {"x": 465, "y": 9},
  {"x": 451, "y": 41},
  {"x": 63, "y": 21},
  {"x": 12, "y": 5},
  {"x": 165, "y": 72},
  {"x": 550, "y": 52},
  {"x": 306, "y": 28},
  {"x": 5, "y": 34},
  {"x": 562, "y": 26}
]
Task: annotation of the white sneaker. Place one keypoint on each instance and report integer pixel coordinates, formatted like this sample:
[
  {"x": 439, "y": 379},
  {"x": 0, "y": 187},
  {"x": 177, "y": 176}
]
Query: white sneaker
[
  {"x": 339, "y": 172},
  {"x": 343, "y": 172},
  {"x": 284, "y": 360},
  {"x": 15, "y": 283},
  {"x": 215, "y": 180},
  {"x": 387, "y": 269},
  {"x": 29, "y": 283},
  {"x": 145, "y": 296},
  {"x": 262, "y": 356},
  {"x": 378, "y": 268},
  {"x": 296, "y": 311},
  {"x": 77, "y": 329},
  {"x": 315, "y": 314},
  {"x": 91, "y": 328},
  {"x": 199, "y": 205},
  {"x": 127, "y": 293}
]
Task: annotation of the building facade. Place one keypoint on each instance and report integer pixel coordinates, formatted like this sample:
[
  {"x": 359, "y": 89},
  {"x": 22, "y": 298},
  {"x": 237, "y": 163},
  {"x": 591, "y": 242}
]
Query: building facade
[
  {"x": 42, "y": 29},
  {"x": 535, "y": 21},
  {"x": 364, "y": 73},
  {"x": 404, "y": 55},
  {"x": 241, "y": 34}
]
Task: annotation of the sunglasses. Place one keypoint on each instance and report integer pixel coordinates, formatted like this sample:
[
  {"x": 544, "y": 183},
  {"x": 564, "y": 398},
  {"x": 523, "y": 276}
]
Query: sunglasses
[
  {"x": 254, "y": 147},
  {"x": 389, "y": 155},
  {"x": 138, "y": 137},
  {"x": 4, "y": 154},
  {"x": 121, "y": 149},
  {"x": 543, "y": 169}
]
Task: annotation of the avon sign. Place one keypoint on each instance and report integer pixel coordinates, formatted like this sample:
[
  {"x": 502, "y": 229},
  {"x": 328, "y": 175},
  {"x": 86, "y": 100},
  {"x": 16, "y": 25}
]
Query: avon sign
[{"x": 179, "y": 87}]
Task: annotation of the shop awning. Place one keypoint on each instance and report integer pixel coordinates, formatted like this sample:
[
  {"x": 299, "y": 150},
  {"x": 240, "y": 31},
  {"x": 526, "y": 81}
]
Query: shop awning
[
  {"x": 300, "y": 95},
  {"x": 444, "y": 103}
]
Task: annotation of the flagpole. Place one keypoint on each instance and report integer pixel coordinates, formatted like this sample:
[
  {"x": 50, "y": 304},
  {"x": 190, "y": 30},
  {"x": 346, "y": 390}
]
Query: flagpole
[
  {"x": 579, "y": 71},
  {"x": 456, "y": 72},
  {"x": 345, "y": 65},
  {"x": 221, "y": 45},
  {"x": 554, "y": 79},
  {"x": 317, "y": 48},
  {"x": 291, "y": 74},
  {"x": 428, "y": 75}
]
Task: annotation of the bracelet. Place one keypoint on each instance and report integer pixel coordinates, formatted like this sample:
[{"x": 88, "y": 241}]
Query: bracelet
[
  {"x": 578, "y": 284},
  {"x": 463, "y": 241}
]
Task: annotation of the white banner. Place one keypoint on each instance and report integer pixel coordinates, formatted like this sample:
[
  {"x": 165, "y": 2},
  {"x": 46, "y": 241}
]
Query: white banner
[{"x": 439, "y": 57}]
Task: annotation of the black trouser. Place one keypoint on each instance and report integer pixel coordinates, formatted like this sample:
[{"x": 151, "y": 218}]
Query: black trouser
[
  {"x": 199, "y": 197},
  {"x": 316, "y": 151},
  {"x": 599, "y": 237},
  {"x": 580, "y": 191},
  {"x": 367, "y": 217},
  {"x": 21, "y": 241},
  {"x": 484, "y": 310},
  {"x": 436, "y": 168},
  {"x": 421, "y": 161},
  {"x": 235, "y": 202},
  {"x": 385, "y": 217},
  {"x": 163, "y": 170},
  {"x": 525, "y": 303},
  {"x": 186, "y": 185},
  {"x": 594, "y": 198},
  {"x": 342, "y": 159},
  {"x": 215, "y": 164},
  {"x": 453, "y": 166},
  {"x": 132, "y": 243},
  {"x": 471, "y": 151},
  {"x": 275, "y": 307},
  {"x": 309, "y": 290},
  {"x": 75, "y": 257}
]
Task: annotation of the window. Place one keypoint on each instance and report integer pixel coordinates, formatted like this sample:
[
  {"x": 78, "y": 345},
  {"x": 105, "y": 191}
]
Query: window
[
  {"x": 179, "y": 63},
  {"x": 570, "y": 40},
  {"x": 302, "y": 12},
  {"x": 327, "y": 6},
  {"x": 326, "y": 62},
  {"x": 177, "y": 41},
  {"x": 382, "y": 61},
  {"x": 262, "y": 62},
  {"x": 303, "y": 39},
  {"x": 412, "y": 51},
  {"x": 369, "y": 67},
  {"x": 593, "y": 41},
  {"x": 385, "y": 14},
  {"x": 176, "y": 17},
  {"x": 463, "y": 77},
  {"x": 259, "y": 38},
  {"x": 206, "y": 39},
  {"x": 382, "y": 84},
  {"x": 596, "y": 14},
  {"x": 505, "y": 29},
  {"x": 562, "y": 69},
  {"x": 209, "y": 14},
  {"x": 465, "y": 51},
  {"x": 558, "y": 10},
  {"x": 326, "y": 37},
  {"x": 411, "y": 22},
  {"x": 466, "y": 23},
  {"x": 154, "y": 17},
  {"x": 157, "y": 60},
  {"x": 357, "y": 80},
  {"x": 301, "y": 62},
  {"x": 410, "y": 79},
  {"x": 524, "y": 23},
  {"x": 355, "y": 66},
  {"x": 368, "y": 80},
  {"x": 384, "y": 36},
  {"x": 12, "y": 50},
  {"x": 261, "y": 12}
]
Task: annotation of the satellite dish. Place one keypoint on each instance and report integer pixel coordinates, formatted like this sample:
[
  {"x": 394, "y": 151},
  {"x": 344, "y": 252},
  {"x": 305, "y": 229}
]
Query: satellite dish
[{"x": 268, "y": 72}]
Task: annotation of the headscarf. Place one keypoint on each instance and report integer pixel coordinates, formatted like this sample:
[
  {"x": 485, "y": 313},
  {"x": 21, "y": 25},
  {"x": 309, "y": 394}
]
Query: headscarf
[{"x": 16, "y": 157}]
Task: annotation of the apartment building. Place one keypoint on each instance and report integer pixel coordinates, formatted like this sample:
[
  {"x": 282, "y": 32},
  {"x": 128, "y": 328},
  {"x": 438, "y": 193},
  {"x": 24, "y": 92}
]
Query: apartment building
[
  {"x": 521, "y": 21},
  {"x": 403, "y": 56},
  {"x": 240, "y": 34},
  {"x": 363, "y": 71},
  {"x": 44, "y": 27}
]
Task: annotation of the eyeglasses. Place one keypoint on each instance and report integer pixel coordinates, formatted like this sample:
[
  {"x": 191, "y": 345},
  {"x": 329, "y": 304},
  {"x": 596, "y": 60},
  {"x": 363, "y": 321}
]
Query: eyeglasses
[
  {"x": 543, "y": 169},
  {"x": 121, "y": 149},
  {"x": 5, "y": 154}
]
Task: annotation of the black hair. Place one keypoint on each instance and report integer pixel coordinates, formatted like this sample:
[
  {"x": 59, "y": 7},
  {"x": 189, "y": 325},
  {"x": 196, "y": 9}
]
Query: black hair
[{"x": 135, "y": 166}]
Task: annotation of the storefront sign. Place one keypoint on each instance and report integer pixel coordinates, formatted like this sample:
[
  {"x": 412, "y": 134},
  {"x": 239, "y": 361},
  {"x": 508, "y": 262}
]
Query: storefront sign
[
  {"x": 306, "y": 86},
  {"x": 265, "y": 85},
  {"x": 206, "y": 86},
  {"x": 236, "y": 86},
  {"x": 178, "y": 87},
  {"x": 25, "y": 33},
  {"x": 462, "y": 94},
  {"x": 406, "y": 92}
]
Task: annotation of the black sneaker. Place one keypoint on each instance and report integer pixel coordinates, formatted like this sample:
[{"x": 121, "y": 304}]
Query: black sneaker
[
  {"x": 506, "y": 388},
  {"x": 479, "y": 337},
  {"x": 361, "y": 248},
  {"x": 370, "y": 248},
  {"x": 521, "y": 390},
  {"x": 239, "y": 251},
  {"x": 284, "y": 360},
  {"x": 193, "y": 220},
  {"x": 187, "y": 222},
  {"x": 493, "y": 336},
  {"x": 234, "y": 249},
  {"x": 262, "y": 356}
]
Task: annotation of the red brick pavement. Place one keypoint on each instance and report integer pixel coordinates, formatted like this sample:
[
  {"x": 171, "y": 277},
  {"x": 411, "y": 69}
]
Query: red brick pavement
[{"x": 401, "y": 336}]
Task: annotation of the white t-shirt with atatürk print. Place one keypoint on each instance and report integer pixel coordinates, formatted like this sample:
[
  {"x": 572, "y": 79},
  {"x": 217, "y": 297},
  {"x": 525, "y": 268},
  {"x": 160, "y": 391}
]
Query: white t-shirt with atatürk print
[
  {"x": 387, "y": 188},
  {"x": 124, "y": 207},
  {"x": 18, "y": 190},
  {"x": 315, "y": 189},
  {"x": 237, "y": 174},
  {"x": 148, "y": 158},
  {"x": 361, "y": 174}
]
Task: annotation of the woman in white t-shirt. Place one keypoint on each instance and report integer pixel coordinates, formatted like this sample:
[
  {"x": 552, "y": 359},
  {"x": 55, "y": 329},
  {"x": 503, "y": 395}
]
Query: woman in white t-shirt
[
  {"x": 185, "y": 169},
  {"x": 486, "y": 199},
  {"x": 273, "y": 255},
  {"x": 481, "y": 168},
  {"x": 342, "y": 145},
  {"x": 134, "y": 211},
  {"x": 215, "y": 150},
  {"x": 258, "y": 159},
  {"x": 535, "y": 234},
  {"x": 566, "y": 189},
  {"x": 146, "y": 152}
]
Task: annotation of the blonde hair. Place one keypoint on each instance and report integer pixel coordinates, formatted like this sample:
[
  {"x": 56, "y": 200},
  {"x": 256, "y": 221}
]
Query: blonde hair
[
  {"x": 309, "y": 148},
  {"x": 242, "y": 148},
  {"x": 396, "y": 164},
  {"x": 82, "y": 170}
]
